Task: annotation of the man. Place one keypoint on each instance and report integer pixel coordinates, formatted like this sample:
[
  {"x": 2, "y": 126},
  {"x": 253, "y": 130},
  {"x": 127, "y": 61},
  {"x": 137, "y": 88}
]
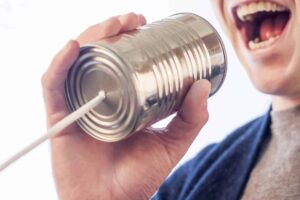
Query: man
[{"x": 257, "y": 161}]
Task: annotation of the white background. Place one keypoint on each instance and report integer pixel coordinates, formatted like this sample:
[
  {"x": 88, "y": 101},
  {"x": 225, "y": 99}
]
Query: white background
[{"x": 32, "y": 31}]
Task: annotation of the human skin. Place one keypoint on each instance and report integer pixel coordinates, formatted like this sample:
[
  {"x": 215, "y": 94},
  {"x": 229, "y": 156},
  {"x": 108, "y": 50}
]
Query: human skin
[
  {"x": 88, "y": 169},
  {"x": 274, "y": 70}
]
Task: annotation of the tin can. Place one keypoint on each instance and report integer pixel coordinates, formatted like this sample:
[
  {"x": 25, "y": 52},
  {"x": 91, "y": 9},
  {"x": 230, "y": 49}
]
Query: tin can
[{"x": 145, "y": 74}]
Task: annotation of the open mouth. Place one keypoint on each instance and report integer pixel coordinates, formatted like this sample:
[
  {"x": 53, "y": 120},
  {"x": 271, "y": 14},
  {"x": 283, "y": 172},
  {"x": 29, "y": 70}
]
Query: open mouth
[{"x": 261, "y": 23}]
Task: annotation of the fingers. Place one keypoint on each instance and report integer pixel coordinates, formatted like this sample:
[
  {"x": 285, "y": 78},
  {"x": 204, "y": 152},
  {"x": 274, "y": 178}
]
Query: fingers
[
  {"x": 182, "y": 130},
  {"x": 111, "y": 27},
  {"x": 55, "y": 74},
  {"x": 191, "y": 117},
  {"x": 142, "y": 20},
  {"x": 131, "y": 21},
  {"x": 194, "y": 107},
  {"x": 53, "y": 79},
  {"x": 107, "y": 28}
]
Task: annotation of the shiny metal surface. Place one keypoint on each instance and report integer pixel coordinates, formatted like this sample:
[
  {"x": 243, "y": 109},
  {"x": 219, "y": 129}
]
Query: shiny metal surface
[{"x": 145, "y": 74}]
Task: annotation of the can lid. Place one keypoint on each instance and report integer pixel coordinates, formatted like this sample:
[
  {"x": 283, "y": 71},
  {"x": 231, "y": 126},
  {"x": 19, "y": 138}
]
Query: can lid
[{"x": 99, "y": 68}]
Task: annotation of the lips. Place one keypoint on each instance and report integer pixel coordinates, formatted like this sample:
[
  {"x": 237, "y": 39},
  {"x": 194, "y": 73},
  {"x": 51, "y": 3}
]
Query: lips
[{"x": 261, "y": 23}]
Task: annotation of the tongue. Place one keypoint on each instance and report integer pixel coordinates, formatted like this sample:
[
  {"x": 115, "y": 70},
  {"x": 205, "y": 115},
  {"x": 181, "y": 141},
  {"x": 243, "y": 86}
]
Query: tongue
[{"x": 272, "y": 27}]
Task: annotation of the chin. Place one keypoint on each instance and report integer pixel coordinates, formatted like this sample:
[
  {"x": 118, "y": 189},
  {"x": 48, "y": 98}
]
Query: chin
[
  {"x": 271, "y": 86},
  {"x": 276, "y": 82}
]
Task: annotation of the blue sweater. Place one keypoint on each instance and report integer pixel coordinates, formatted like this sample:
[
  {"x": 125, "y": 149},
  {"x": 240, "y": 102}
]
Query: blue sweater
[{"x": 220, "y": 171}]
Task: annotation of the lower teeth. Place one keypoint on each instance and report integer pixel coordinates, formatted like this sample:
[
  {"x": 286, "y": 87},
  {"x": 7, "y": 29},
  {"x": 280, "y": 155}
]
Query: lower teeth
[{"x": 258, "y": 44}]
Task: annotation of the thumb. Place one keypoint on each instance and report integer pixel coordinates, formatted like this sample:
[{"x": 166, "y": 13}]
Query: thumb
[
  {"x": 190, "y": 119},
  {"x": 193, "y": 113}
]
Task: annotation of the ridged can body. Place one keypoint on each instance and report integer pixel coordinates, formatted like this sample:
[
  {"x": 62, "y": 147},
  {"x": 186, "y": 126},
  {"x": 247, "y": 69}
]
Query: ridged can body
[{"x": 145, "y": 74}]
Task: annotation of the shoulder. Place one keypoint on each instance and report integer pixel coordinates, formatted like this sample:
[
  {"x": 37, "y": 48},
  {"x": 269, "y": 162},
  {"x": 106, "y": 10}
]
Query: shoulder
[
  {"x": 212, "y": 158},
  {"x": 210, "y": 153}
]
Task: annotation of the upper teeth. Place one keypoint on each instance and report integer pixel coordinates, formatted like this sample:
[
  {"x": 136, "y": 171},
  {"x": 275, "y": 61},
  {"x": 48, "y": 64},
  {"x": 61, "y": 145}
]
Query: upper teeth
[{"x": 246, "y": 10}]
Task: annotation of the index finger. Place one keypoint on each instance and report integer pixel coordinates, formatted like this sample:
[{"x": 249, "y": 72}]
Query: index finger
[
  {"x": 108, "y": 28},
  {"x": 111, "y": 27},
  {"x": 53, "y": 79}
]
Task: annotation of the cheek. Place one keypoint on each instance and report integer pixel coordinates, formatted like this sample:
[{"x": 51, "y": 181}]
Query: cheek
[
  {"x": 294, "y": 72},
  {"x": 297, "y": 9}
]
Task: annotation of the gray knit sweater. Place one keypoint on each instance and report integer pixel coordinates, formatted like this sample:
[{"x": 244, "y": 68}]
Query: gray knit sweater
[{"x": 277, "y": 172}]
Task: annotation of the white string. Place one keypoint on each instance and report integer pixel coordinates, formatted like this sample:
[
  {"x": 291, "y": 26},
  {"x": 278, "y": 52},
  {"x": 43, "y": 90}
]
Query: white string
[{"x": 57, "y": 128}]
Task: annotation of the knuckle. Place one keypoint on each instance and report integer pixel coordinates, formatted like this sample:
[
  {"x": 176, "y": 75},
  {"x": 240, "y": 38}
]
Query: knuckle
[
  {"x": 110, "y": 23},
  {"x": 205, "y": 116},
  {"x": 131, "y": 15},
  {"x": 54, "y": 118},
  {"x": 134, "y": 19},
  {"x": 108, "y": 26},
  {"x": 101, "y": 30},
  {"x": 202, "y": 120},
  {"x": 130, "y": 18}
]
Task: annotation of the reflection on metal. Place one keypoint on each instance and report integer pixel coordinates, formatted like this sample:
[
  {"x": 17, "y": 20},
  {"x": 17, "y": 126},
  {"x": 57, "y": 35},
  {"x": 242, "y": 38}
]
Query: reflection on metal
[{"x": 145, "y": 74}]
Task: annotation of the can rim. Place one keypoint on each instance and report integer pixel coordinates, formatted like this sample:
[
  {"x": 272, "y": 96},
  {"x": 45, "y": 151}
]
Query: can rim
[{"x": 119, "y": 135}]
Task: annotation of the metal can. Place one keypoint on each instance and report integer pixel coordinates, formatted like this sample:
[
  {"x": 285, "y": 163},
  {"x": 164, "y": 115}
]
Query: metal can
[{"x": 145, "y": 74}]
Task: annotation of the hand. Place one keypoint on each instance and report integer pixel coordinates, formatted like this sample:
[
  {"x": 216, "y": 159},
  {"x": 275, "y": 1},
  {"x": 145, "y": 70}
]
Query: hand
[{"x": 85, "y": 168}]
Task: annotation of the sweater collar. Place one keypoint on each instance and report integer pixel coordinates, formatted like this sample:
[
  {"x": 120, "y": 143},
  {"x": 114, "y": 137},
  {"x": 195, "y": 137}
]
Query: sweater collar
[
  {"x": 256, "y": 139},
  {"x": 228, "y": 165}
]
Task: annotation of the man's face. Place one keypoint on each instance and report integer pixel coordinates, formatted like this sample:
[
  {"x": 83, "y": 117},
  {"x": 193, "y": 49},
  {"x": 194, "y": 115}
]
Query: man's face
[{"x": 266, "y": 37}]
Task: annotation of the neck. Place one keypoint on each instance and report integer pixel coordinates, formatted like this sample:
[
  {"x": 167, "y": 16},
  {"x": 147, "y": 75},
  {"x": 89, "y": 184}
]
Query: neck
[{"x": 283, "y": 103}]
